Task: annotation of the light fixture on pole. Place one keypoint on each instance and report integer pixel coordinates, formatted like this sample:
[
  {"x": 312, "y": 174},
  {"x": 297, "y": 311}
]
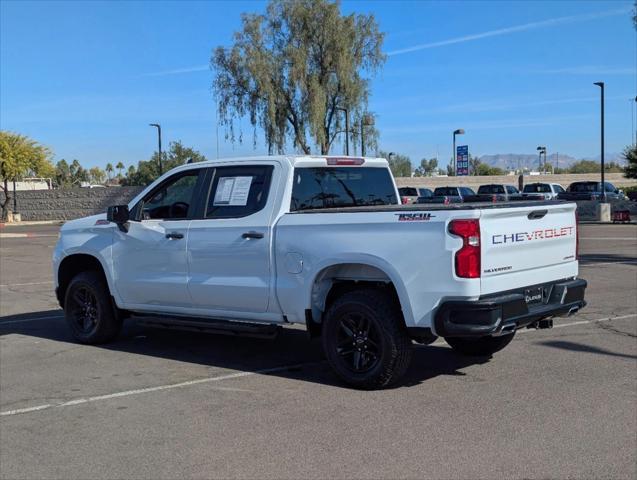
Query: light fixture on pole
[
  {"x": 601, "y": 86},
  {"x": 460, "y": 131},
  {"x": 161, "y": 168}
]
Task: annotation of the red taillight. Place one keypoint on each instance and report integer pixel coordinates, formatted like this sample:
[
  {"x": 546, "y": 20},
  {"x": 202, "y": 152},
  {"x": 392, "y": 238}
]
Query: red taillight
[
  {"x": 404, "y": 200},
  {"x": 468, "y": 257},
  {"x": 345, "y": 161},
  {"x": 447, "y": 201}
]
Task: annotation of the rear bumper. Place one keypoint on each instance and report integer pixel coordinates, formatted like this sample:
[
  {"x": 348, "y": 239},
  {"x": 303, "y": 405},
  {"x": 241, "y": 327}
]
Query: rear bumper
[{"x": 506, "y": 312}]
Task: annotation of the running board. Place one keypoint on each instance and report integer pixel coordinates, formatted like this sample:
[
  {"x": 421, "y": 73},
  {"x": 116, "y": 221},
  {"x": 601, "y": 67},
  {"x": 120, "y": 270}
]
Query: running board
[{"x": 221, "y": 327}]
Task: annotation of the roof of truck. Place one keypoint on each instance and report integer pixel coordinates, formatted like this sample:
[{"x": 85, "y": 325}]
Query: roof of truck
[{"x": 294, "y": 160}]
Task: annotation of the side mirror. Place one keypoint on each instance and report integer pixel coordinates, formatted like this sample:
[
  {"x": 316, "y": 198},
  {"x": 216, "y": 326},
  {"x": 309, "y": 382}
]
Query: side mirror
[{"x": 118, "y": 214}]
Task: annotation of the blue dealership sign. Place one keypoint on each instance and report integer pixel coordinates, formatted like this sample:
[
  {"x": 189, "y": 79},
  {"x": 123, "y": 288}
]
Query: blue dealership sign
[{"x": 462, "y": 160}]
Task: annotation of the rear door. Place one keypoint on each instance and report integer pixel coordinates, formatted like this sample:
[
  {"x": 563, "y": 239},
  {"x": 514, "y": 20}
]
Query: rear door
[
  {"x": 229, "y": 248},
  {"x": 524, "y": 246}
]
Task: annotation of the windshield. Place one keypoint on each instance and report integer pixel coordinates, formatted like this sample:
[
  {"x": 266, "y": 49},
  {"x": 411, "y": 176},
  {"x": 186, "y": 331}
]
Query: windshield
[{"x": 341, "y": 187}]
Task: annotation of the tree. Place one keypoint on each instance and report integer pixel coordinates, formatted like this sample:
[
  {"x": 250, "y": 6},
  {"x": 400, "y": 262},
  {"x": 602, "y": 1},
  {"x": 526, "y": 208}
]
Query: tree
[
  {"x": 148, "y": 170},
  {"x": 62, "y": 174},
  {"x": 474, "y": 164},
  {"x": 400, "y": 165},
  {"x": 291, "y": 70},
  {"x": 97, "y": 175},
  {"x": 119, "y": 167},
  {"x": 78, "y": 173},
  {"x": 109, "y": 169},
  {"x": 585, "y": 166},
  {"x": 427, "y": 167},
  {"x": 630, "y": 154},
  {"x": 20, "y": 156}
]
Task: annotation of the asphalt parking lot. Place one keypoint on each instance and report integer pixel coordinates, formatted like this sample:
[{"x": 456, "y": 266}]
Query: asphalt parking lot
[{"x": 557, "y": 403}]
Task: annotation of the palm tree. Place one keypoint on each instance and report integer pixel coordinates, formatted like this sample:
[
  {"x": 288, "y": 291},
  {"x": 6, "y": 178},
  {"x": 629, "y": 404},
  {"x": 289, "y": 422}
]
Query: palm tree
[
  {"x": 109, "y": 170},
  {"x": 120, "y": 167}
]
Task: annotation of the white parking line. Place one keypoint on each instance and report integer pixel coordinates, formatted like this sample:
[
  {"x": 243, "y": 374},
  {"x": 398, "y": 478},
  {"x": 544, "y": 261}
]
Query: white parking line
[
  {"x": 128, "y": 393},
  {"x": 9, "y": 285},
  {"x": 26, "y": 235}
]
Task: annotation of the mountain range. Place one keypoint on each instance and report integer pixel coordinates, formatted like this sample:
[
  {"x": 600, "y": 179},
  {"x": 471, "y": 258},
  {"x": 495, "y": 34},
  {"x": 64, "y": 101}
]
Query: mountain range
[{"x": 513, "y": 161}]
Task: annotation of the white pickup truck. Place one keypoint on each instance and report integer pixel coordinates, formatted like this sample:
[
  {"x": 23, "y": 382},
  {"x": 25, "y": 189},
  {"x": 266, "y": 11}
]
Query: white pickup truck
[{"x": 245, "y": 245}]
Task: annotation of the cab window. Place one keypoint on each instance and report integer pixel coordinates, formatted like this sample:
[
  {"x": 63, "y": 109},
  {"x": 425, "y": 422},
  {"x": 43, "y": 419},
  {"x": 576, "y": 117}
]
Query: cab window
[
  {"x": 174, "y": 199},
  {"x": 238, "y": 191}
]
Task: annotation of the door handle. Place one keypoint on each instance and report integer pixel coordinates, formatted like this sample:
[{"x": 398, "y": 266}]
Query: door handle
[
  {"x": 252, "y": 235},
  {"x": 174, "y": 235}
]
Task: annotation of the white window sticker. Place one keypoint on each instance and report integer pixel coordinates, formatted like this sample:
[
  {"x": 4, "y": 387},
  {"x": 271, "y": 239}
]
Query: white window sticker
[{"x": 233, "y": 191}]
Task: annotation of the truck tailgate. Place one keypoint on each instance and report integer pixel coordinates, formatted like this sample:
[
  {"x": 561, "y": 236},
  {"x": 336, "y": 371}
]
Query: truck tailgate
[{"x": 523, "y": 246}]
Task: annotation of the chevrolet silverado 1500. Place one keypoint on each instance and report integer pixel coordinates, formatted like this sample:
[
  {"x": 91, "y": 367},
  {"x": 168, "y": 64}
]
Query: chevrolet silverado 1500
[{"x": 244, "y": 246}]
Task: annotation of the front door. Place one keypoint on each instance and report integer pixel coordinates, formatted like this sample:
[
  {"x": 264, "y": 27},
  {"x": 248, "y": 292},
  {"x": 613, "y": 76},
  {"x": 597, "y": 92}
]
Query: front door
[
  {"x": 150, "y": 260},
  {"x": 229, "y": 249}
]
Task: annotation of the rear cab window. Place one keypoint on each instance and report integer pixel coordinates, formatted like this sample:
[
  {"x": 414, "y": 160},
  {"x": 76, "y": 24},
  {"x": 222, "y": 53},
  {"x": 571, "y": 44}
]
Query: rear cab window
[
  {"x": 337, "y": 187},
  {"x": 408, "y": 191},
  {"x": 446, "y": 192},
  {"x": 493, "y": 189},
  {"x": 537, "y": 188}
]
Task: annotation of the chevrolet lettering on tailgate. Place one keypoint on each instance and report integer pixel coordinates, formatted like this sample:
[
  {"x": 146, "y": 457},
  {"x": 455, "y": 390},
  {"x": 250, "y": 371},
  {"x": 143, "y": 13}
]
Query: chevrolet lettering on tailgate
[{"x": 530, "y": 236}]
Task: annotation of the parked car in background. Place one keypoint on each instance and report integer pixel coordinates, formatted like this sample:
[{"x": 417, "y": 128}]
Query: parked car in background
[
  {"x": 424, "y": 193},
  {"x": 547, "y": 191},
  {"x": 410, "y": 195},
  {"x": 448, "y": 195},
  {"x": 590, "y": 191},
  {"x": 497, "y": 193}
]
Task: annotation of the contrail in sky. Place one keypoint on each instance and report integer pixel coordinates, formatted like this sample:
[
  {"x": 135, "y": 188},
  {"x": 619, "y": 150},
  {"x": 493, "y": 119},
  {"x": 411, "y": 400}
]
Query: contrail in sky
[
  {"x": 551, "y": 22},
  {"x": 177, "y": 71}
]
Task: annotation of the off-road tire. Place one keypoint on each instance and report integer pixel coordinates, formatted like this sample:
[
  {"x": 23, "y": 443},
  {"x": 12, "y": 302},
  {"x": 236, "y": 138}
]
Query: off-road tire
[
  {"x": 479, "y": 347},
  {"x": 387, "y": 335},
  {"x": 88, "y": 309}
]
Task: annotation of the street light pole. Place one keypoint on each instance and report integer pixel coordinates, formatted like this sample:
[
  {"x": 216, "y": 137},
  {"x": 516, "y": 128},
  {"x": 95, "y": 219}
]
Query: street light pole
[
  {"x": 541, "y": 150},
  {"x": 601, "y": 85},
  {"x": 635, "y": 141},
  {"x": 346, "y": 128},
  {"x": 161, "y": 169},
  {"x": 15, "y": 199},
  {"x": 459, "y": 131}
]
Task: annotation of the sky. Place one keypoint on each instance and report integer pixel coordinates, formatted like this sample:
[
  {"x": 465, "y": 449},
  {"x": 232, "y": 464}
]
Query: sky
[{"x": 86, "y": 78}]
